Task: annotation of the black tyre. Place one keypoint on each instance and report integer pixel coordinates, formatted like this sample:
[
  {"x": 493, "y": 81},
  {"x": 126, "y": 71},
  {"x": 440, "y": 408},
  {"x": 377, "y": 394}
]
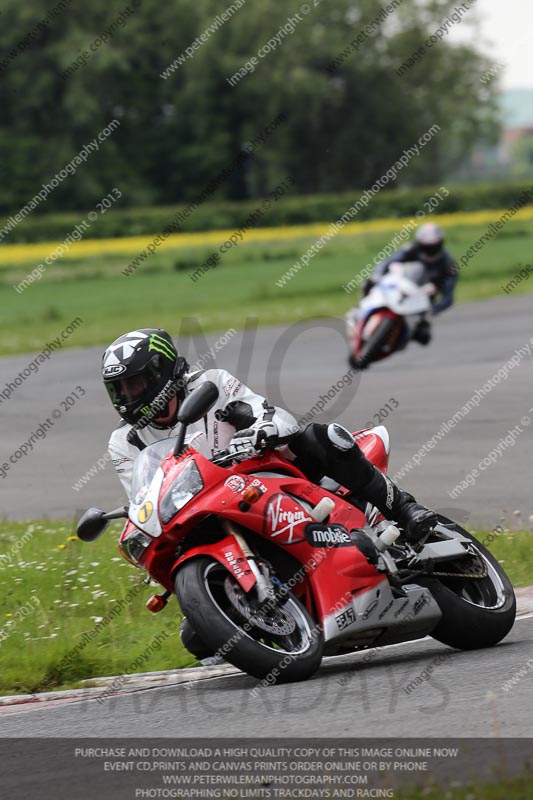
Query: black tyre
[
  {"x": 476, "y": 612},
  {"x": 277, "y": 641},
  {"x": 192, "y": 642},
  {"x": 376, "y": 342}
]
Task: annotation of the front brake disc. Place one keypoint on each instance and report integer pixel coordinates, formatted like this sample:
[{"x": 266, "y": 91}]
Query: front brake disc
[{"x": 266, "y": 616}]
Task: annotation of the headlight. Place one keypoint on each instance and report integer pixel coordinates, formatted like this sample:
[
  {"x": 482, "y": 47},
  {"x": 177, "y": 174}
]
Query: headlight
[
  {"x": 134, "y": 545},
  {"x": 188, "y": 483}
]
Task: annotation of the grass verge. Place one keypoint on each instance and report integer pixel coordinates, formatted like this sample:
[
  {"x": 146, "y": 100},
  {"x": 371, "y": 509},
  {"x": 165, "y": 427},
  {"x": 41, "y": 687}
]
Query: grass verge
[
  {"x": 58, "y": 592},
  {"x": 162, "y": 293},
  {"x": 520, "y": 788}
]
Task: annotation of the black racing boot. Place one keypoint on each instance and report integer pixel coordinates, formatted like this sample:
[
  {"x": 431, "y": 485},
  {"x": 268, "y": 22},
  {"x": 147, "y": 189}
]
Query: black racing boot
[
  {"x": 395, "y": 504},
  {"x": 331, "y": 450},
  {"x": 422, "y": 332}
]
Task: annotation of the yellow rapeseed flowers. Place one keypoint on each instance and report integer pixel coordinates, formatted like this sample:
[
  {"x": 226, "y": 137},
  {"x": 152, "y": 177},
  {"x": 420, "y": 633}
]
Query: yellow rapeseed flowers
[{"x": 12, "y": 254}]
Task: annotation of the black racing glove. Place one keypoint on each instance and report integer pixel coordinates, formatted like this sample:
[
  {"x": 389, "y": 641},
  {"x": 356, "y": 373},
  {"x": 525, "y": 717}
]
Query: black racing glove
[{"x": 368, "y": 285}]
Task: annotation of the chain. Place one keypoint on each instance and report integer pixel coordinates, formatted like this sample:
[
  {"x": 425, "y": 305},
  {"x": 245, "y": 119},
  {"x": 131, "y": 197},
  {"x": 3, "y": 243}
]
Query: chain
[{"x": 476, "y": 575}]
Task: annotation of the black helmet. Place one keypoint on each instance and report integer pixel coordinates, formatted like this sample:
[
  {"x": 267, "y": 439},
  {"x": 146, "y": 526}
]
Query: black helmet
[{"x": 142, "y": 372}]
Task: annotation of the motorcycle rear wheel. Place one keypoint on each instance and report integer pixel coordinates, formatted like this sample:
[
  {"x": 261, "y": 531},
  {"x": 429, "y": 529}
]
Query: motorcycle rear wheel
[
  {"x": 277, "y": 642},
  {"x": 476, "y": 612}
]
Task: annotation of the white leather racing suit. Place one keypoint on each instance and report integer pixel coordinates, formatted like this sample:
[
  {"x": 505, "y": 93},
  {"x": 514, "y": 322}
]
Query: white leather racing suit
[{"x": 238, "y": 406}]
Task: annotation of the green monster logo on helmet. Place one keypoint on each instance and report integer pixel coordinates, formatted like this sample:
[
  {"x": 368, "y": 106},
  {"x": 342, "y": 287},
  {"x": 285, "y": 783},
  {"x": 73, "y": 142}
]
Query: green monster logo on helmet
[{"x": 161, "y": 345}]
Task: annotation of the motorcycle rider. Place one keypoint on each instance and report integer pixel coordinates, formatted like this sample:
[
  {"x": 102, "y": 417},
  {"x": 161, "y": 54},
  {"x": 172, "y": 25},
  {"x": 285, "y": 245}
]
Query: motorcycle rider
[
  {"x": 428, "y": 248},
  {"x": 147, "y": 380}
]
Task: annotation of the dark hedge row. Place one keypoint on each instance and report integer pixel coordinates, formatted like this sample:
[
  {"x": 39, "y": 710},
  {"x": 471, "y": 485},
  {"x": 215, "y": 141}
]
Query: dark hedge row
[{"x": 286, "y": 211}]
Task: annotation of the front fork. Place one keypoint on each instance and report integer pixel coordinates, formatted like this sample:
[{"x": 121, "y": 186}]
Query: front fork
[{"x": 263, "y": 586}]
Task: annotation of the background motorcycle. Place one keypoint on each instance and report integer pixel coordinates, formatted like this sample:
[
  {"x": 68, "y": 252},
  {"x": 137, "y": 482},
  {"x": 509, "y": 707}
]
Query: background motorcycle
[
  {"x": 273, "y": 572},
  {"x": 380, "y": 324}
]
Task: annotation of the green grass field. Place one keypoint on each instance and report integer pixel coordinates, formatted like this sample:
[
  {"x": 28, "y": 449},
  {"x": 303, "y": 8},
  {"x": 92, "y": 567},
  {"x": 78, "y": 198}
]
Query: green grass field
[
  {"x": 161, "y": 292},
  {"x": 57, "y": 588},
  {"x": 520, "y": 788},
  {"x": 66, "y": 587}
]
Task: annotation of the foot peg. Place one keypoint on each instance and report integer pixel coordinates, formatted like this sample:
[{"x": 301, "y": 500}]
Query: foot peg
[{"x": 420, "y": 523}]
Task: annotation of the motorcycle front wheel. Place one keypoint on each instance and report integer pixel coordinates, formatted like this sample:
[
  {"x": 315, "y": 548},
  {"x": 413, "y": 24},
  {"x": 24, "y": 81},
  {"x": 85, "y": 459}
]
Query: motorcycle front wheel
[
  {"x": 477, "y": 611},
  {"x": 276, "y": 640},
  {"x": 374, "y": 344}
]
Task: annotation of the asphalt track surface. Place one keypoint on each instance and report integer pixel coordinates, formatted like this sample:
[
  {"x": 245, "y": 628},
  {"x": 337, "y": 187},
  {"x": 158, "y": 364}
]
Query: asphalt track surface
[
  {"x": 295, "y": 365},
  {"x": 461, "y": 697}
]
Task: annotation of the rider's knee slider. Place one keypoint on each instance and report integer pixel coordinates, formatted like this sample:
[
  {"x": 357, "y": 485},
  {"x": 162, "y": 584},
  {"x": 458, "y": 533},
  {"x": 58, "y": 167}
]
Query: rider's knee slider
[{"x": 340, "y": 437}]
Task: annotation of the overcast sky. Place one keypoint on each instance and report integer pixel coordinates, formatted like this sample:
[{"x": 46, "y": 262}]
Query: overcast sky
[{"x": 506, "y": 32}]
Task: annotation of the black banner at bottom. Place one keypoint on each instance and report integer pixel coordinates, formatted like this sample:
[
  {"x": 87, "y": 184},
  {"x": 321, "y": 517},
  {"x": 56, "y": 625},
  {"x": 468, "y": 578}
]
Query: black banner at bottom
[{"x": 127, "y": 769}]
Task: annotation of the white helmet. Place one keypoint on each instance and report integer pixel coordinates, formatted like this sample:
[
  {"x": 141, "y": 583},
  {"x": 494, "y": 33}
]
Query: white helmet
[{"x": 430, "y": 241}]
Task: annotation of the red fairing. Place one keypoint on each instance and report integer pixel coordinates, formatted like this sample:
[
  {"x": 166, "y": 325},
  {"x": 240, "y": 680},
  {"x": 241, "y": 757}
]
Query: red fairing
[
  {"x": 373, "y": 321},
  {"x": 373, "y": 448},
  {"x": 230, "y": 556},
  {"x": 128, "y": 527},
  {"x": 281, "y": 514}
]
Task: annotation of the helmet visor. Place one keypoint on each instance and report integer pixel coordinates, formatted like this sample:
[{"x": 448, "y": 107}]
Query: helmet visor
[
  {"x": 431, "y": 249},
  {"x": 135, "y": 389}
]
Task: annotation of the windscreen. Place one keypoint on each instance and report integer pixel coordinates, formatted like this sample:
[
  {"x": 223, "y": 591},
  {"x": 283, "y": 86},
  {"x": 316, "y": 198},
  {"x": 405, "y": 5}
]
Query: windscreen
[
  {"x": 146, "y": 465},
  {"x": 415, "y": 271}
]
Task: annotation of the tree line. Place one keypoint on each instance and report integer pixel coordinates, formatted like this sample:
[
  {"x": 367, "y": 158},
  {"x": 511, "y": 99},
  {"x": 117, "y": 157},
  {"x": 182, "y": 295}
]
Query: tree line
[{"x": 167, "y": 72}]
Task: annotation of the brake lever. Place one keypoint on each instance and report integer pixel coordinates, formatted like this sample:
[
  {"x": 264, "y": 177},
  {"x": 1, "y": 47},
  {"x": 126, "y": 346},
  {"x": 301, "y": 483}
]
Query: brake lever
[{"x": 222, "y": 457}]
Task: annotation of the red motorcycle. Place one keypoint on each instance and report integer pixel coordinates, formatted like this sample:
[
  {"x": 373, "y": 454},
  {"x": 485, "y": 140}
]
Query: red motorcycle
[{"x": 273, "y": 571}]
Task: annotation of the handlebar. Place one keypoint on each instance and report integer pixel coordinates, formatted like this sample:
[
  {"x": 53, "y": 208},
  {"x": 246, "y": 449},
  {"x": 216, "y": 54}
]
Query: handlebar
[
  {"x": 223, "y": 457},
  {"x": 226, "y": 457}
]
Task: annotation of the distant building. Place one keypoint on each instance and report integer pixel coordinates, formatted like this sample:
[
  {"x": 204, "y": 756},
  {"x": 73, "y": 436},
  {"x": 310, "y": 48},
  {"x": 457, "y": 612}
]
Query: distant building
[
  {"x": 512, "y": 135},
  {"x": 513, "y": 156},
  {"x": 516, "y": 151}
]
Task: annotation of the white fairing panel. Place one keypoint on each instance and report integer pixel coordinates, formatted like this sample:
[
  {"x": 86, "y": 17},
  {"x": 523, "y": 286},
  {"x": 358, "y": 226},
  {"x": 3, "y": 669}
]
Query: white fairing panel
[
  {"x": 378, "y": 610},
  {"x": 382, "y": 432},
  {"x": 404, "y": 289},
  {"x": 399, "y": 294},
  {"x": 145, "y": 512}
]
